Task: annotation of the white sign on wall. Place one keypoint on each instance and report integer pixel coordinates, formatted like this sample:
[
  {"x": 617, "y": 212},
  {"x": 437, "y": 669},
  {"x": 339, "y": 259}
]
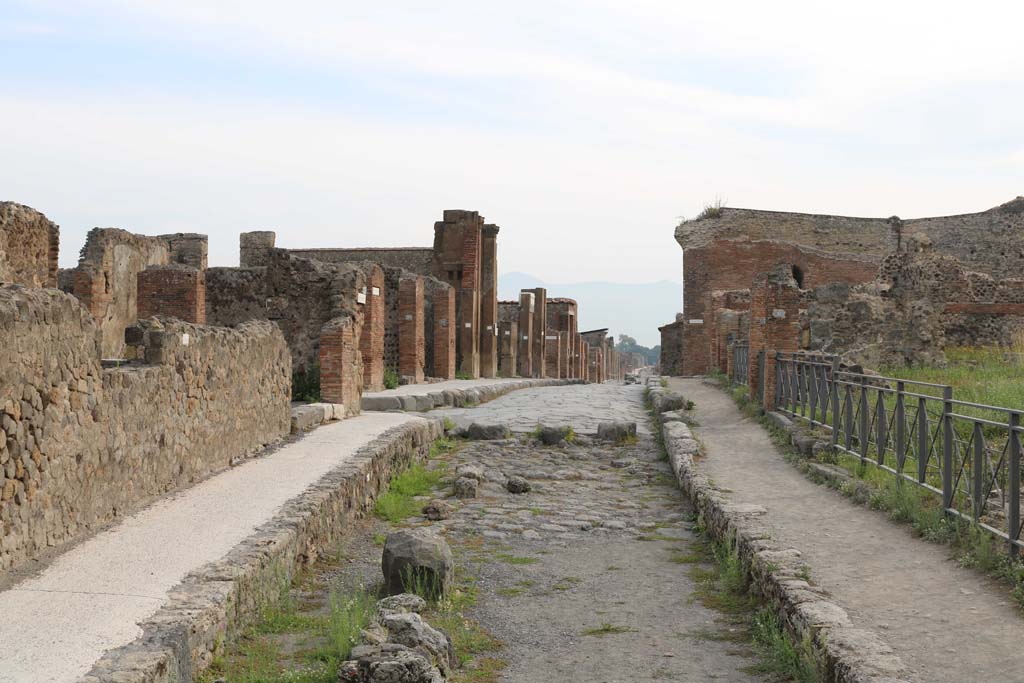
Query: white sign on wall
[
  {"x": 779, "y": 313},
  {"x": 696, "y": 321},
  {"x": 376, "y": 291}
]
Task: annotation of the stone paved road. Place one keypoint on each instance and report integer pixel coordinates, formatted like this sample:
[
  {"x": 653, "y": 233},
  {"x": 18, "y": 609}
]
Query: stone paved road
[
  {"x": 948, "y": 623},
  {"x": 582, "y": 406},
  {"x": 591, "y": 545}
]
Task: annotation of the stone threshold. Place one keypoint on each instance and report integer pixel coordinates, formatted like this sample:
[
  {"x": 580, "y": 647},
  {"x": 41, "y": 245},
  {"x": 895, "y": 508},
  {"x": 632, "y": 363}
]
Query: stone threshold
[
  {"x": 454, "y": 397},
  {"x": 223, "y": 597},
  {"x": 843, "y": 653}
]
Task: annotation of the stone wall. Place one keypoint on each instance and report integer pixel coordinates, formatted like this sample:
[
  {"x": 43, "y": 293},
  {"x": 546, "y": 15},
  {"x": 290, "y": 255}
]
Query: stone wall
[
  {"x": 371, "y": 339},
  {"x": 441, "y": 320},
  {"x": 301, "y": 295},
  {"x": 411, "y": 342},
  {"x": 671, "y": 362},
  {"x": 414, "y": 259},
  {"x": 81, "y": 445},
  {"x": 29, "y": 244}
]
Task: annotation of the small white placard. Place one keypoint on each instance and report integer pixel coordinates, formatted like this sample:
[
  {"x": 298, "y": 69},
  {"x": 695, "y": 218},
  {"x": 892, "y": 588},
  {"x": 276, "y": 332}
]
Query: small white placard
[
  {"x": 184, "y": 339},
  {"x": 551, "y": 337},
  {"x": 469, "y": 325},
  {"x": 507, "y": 333},
  {"x": 376, "y": 291},
  {"x": 526, "y": 338},
  {"x": 408, "y": 316},
  {"x": 779, "y": 313},
  {"x": 696, "y": 321},
  {"x": 490, "y": 327},
  {"x": 361, "y": 297},
  {"x": 444, "y": 322}
]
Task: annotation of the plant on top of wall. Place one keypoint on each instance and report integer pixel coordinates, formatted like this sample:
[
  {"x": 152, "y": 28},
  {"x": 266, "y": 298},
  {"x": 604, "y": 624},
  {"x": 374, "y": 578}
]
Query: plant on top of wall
[{"x": 713, "y": 210}]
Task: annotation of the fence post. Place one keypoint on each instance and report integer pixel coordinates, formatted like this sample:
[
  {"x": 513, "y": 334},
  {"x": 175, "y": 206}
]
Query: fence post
[
  {"x": 813, "y": 390},
  {"x": 835, "y": 400},
  {"x": 901, "y": 427},
  {"x": 862, "y": 428},
  {"x": 1013, "y": 483},
  {"x": 978, "y": 471},
  {"x": 848, "y": 417},
  {"x": 947, "y": 448},
  {"x": 923, "y": 452}
]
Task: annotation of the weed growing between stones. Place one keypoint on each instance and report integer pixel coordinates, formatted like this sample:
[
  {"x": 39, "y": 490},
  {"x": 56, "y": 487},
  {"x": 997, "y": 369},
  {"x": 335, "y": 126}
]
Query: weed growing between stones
[
  {"x": 723, "y": 584},
  {"x": 391, "y": 380},
  {"x": 605, "y": 629},
  {"x": 399, "y": 501}
]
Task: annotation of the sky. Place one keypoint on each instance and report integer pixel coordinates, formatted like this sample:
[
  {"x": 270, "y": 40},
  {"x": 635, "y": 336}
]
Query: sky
[{"x": 586, "y": 130}]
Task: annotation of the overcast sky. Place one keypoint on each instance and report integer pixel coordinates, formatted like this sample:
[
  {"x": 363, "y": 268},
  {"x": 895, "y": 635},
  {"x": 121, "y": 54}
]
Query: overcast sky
[{"x": 584, "y": 129}]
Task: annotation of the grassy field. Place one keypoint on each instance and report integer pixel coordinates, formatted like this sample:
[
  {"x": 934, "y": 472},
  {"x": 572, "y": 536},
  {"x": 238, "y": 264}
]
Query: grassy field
[{"x": 993, "y": 376}]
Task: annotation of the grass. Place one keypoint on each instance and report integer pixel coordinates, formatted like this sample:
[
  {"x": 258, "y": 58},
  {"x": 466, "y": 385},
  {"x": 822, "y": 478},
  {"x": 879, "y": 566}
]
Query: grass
[
  {"x": 514, "y": 559},
  {"x": 391, "y": 380},
  {"x": 605, "y": 629},
  {"x": 712, "y": 210},
  {"x": 399, "y": 501},
  {"x": 306, "y": 384},
  {"x": 992, "y": 375}
]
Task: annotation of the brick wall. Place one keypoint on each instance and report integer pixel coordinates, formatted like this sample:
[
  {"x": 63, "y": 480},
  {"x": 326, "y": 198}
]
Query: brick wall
[
  {"x": 341, "y": 365},
  {"x": 540, "y": 318},
  {"x": 410, "y": 327},
  {"x": 418, "y": 260},
  {"x": 489, "y": 301},
  {"x": 174, "y": 291},
  {"x": 553, "y": 354},
  {"x": 527, "y": 303},
  {"x": 508, "y": 345},
  {"x": 774, "y": 326}
]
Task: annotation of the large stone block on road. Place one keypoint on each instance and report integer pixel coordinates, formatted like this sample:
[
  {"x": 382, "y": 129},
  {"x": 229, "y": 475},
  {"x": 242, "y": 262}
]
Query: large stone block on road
[
  {"x": 616, "y": 431},
  {"x": 485, "y": 432},
  {"x": 417, "y": 559}
]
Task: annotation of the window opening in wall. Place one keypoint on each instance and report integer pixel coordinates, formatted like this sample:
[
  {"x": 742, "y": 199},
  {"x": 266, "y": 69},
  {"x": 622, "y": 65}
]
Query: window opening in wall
[{"x": 798, "y": 275}]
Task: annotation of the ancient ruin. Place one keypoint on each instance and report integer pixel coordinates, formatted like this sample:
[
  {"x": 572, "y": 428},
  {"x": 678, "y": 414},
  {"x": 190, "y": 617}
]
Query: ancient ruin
[{"x": 951, "y": 277}]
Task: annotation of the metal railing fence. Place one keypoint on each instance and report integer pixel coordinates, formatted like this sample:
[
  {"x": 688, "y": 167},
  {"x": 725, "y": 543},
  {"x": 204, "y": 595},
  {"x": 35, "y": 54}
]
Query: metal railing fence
[
  {"x": 967, "y": 453},
  {"x": 740, "y": 365}
]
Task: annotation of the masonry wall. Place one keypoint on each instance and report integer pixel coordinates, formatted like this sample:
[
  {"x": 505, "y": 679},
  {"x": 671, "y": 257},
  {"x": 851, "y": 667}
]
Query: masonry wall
[
  {"x": 410, "y": 327},
  {"x": 300, "y": 295},
  {"x": 176, "y": 291},
  {"x": 539, "y": 340},
  {"x": 81, "y": 445},
  {"x": 29, "y": 245},
  {"x": 489, "y": 301},
  {"x": 414, "y": 259},
  {"x": 525, "y": 353},
  {"x": 442, "y": 327},
  {"x": 371, "y": 338}
]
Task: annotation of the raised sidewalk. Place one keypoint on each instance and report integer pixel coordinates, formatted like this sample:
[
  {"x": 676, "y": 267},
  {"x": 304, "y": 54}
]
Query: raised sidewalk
[
  {"x": 455, "y": 393},
  {"x": 945, "y": 622},
  {"x": 147, "y": 599}
]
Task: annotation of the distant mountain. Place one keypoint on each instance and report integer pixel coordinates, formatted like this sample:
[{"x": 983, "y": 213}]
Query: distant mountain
[{"x": 636, "y": 310}]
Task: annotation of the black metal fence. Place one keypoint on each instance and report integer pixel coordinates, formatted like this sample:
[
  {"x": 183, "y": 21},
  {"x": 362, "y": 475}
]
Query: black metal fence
[
  {"x": 967, "y": 453},
  {"x": 740, "y": 365}
]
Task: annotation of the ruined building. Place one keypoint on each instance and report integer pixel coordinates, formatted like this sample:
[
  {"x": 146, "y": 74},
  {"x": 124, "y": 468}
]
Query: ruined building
[{"x": 726, "y": 251}]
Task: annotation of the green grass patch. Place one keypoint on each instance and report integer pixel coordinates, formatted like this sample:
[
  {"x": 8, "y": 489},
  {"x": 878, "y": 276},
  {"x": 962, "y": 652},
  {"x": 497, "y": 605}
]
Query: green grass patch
[
  {"x": 515, "y": 559},
  {"x": 398, "y": 502}
]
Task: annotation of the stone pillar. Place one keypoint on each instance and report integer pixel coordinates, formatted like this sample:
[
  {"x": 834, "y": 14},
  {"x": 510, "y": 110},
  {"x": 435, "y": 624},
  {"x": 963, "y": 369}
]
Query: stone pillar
[
  {"x": 189, "y": 248},
  {"x": 540, "y": 319},
  {"x": 527, "y": 302},
  {"x": 508, "y": 345},
  {"x": 553, "y": 354},
  {"x": 774, "y": 326},
  {"x": 371, "y": 339},
  {"x": 255, "y": 248},
  {"x": 564, "y": 360},
  {"x": 174, "y": 291},
  {"x": 444, "y": 334},
  {"x": 340, "y": 365},
  {"x": 489, "y": 301},
  {"x": 410, "y": 328}
]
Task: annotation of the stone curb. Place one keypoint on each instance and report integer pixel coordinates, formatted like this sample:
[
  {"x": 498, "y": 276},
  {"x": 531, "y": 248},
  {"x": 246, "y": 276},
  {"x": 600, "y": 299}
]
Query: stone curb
[
  {"x": 843, "y": 653},
  {"x": 457, "y": 398},
  {"x": 222, "y": 597}
]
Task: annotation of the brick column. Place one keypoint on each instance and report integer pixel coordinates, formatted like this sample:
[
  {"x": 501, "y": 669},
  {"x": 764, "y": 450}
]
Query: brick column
[
  {"x": 527, "y": 302},
  {"x": 540, "y": 321},
  {"x": 410, "y": 327},
  {"x": 174, "y": 291},
  {"x": 564, "y": 360},
  {"x": 371, "y": 339},
  {"x": 489, "y": 301},
  {"x": 774, "y": 326},
  {"x": 340, "y": 365},
  {"x": 444, "y": 334}
]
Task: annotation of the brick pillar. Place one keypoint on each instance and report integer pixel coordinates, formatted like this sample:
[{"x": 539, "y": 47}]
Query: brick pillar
[
  {"x": 174, "y": 291},
  {"x": 527, "y": 302},
  {"x": 341, "y": 376},
  {"x": 553, "y": 354},
  {"x": 371, "y": 339},
  {"x": 774, "y": 326},
  {"x": 489, "y": 301},
  {"x": 540, "y": 321},
  {"x": 467, "y": 339},
  {"x": 254, "y": 248},
  {"x": 508, "y": 345},
  {"x": 564, "y": 349},
  {"x": 410, "y": 328},
  {"x": 444, "y": 333}
]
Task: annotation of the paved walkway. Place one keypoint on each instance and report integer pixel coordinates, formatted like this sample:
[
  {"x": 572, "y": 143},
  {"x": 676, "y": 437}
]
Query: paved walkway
[
  {"x": 429, "y": 388},
  {"x": 947, "y": 623},
  {"x": 582, "y": 406},
  {"x": 56, "y": 625}
]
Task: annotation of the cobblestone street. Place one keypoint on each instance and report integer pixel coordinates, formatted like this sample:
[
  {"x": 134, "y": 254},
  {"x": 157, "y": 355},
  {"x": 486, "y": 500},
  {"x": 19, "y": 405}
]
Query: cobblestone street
[{"x": 581, "y": 577}]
